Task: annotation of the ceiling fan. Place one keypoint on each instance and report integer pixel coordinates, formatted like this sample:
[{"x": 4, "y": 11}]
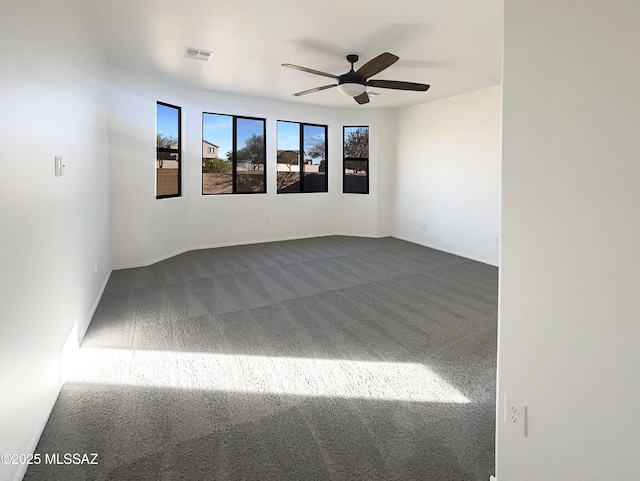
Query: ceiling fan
[{"x": 355, "y": 83}]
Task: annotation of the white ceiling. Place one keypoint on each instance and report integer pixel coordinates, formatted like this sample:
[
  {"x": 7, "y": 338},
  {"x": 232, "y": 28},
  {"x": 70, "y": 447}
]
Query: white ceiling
[{"x": 453, "y": 45}]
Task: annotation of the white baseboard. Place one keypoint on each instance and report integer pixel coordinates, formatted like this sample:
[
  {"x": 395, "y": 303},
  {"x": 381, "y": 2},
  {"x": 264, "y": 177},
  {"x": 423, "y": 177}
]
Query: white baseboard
[
  {"x": 82, "y": 330},
  {"x": 35, "y": 437},
  {"x": 239, "y": 243},
  {"x": 153, "y": 261},
  {"x": 281, "y": 239},
  {"x": 76, "y": 336},
  {"x": 449, "y": 251}
]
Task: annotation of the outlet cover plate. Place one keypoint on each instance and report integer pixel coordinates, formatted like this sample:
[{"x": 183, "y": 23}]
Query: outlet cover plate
[{"x": 516, "y": 414}]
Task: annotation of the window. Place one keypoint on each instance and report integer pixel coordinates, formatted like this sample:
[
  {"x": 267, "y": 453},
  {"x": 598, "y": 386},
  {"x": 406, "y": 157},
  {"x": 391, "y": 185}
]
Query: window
[
  {"x": 302, "y": 157},
  {"x": 168, "y": 160},
  {"x": 356, "y": 160},
  {"x": 242, "y": 170}
]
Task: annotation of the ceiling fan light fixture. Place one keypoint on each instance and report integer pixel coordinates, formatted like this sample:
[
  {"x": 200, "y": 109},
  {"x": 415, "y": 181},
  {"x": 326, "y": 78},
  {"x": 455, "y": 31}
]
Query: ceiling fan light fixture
[{"x": 352, "y": 89}]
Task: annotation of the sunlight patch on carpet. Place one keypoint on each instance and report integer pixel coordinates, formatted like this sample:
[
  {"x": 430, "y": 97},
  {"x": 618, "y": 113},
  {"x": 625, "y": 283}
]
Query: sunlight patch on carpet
[{"x": 392, "y": 381}]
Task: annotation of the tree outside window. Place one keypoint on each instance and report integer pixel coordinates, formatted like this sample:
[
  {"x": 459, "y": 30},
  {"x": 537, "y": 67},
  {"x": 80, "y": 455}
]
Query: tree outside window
[{"x": 356, "y": 160}]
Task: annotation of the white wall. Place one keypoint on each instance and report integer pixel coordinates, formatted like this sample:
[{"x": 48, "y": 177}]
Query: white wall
[
  {"x": 569, "y": 327},
  {"x": 447, "y": 187},
  {"x": 383, "y": 148},
  {"x": 54, "y": 101},
  {"x": 144, "y": 229}
]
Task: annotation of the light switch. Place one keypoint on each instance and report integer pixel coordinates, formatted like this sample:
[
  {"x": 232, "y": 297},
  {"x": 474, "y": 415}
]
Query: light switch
[{"x": 59, "y": 166}]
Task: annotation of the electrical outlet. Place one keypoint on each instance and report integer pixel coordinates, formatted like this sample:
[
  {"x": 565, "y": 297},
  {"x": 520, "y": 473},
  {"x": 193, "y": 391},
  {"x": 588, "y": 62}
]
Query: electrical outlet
[{"x": 516, "y": 415}]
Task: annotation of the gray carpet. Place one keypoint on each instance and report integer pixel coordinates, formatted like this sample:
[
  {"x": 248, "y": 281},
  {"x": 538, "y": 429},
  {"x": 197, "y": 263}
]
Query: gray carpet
[{"x": 331, "y": 358}]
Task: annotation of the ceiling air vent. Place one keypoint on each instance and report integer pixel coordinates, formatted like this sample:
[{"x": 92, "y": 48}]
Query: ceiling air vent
[{"x": 197, "y": 54}]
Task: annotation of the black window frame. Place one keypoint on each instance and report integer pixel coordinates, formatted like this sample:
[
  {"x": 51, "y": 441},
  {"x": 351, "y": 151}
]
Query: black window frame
[
  {"x": 302, "y": 157},
  {"x": 346, "y": 159},
  {"x": 171, "y": 151},
  {"x": 234, "y": 151}
]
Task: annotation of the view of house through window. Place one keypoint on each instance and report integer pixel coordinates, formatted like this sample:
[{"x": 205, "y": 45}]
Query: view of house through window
[
  {"x": 356, "y": 160},
  {"x": 233, "y": 154},
  {"x": 168, "y": 161},
  {"x": 301, "y": 157}
]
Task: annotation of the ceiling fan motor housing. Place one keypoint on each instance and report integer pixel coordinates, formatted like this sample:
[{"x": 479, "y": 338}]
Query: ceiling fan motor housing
[
  {"x": 352, "y": 83},
  {"x": 352, "y": 78}
]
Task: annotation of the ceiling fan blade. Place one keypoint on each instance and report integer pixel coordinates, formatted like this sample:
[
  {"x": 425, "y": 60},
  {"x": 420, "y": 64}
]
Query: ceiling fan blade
[
  {"x": 363, "y": 98},
  {"x": 377, "y": 64},
  {"x": 394, "y": 84},
  {"x": 317, "y": 89},
  {"x": 310, "y": 70}
]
